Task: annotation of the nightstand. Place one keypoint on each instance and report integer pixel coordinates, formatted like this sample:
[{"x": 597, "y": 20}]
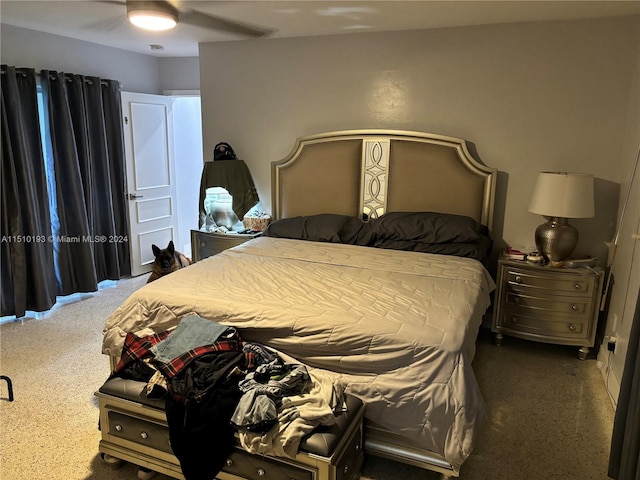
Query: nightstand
[
  {"x": 205, "y": 244},
  {"x": 547, "y": 304}
]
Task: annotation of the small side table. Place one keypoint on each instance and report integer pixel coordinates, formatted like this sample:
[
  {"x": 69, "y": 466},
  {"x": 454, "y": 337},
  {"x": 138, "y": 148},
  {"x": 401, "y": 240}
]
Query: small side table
[{"x": 547, "y": 304}]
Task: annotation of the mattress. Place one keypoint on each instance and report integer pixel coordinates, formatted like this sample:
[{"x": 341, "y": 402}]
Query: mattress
[{"x": 397, "y": 328}]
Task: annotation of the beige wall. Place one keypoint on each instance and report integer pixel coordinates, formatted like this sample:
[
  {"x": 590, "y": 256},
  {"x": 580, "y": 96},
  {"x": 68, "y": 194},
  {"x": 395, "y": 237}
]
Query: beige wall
[{"x": 533, "y": 96}]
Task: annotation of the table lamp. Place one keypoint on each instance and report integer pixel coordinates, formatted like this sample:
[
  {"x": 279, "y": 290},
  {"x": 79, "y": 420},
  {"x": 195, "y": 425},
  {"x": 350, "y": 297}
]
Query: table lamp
[{"x": 558, "y": 196}]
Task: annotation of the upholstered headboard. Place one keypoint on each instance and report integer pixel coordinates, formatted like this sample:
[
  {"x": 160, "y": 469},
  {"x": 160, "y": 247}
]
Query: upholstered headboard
[{"x": 370, "y": 172}]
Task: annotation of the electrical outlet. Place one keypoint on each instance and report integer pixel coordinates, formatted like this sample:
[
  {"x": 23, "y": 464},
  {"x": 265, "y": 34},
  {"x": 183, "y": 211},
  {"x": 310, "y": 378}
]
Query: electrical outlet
[{"x": 611, "y": 344}]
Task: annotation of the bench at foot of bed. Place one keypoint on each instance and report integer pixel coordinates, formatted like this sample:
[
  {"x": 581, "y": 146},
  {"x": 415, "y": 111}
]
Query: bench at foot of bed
[{"x": 134, "y": 429}]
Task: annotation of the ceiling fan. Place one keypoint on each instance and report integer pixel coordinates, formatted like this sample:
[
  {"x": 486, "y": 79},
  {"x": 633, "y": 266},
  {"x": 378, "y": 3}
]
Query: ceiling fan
[{"x": 163, "y": 15}]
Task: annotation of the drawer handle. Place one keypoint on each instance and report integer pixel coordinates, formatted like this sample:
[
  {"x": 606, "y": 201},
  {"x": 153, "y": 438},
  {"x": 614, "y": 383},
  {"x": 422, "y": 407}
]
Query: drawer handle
[
  {"x": 577, "y": 286},
  {"x": 572, "y": 327},
  {"x": 229, "y": 462},
  {"x": 118, "y": 428},
  {"x": 203, "y": 244},
  {"x": 144, "y": 435},
  {"x": 516, "y": 300},
  {"x": 261, "y": 472},
  {"x": 514, "y": 319},
  {"x": 346, "y": 469},
  {"x": 518, "y": 279},
  {"x": 574, "y": 307}
]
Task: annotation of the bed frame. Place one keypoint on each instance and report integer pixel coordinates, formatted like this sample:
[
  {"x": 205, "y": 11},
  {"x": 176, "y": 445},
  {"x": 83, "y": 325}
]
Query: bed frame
[
  {"x": 368, "y": 173},
  {"x": 359, "y": 173}
]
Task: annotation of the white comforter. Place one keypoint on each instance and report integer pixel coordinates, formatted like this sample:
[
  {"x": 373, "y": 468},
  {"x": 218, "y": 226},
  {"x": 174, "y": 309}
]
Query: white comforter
[{"x": 398, "y": 328}]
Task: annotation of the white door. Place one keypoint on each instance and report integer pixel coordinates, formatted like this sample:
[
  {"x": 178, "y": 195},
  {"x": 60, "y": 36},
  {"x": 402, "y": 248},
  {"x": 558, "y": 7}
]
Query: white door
[{"x": 148, "y": 140}]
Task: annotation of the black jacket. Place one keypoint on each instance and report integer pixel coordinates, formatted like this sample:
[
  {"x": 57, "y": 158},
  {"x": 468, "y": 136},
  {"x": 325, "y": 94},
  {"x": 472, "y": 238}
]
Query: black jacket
[{"x": 203, "y": 398}]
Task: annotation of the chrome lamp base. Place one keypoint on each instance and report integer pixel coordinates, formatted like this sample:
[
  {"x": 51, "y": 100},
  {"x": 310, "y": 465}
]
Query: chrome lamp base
[{"x": 556, "y": 240}]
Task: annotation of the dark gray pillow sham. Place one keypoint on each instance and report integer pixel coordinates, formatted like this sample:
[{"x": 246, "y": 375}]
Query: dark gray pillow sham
[
  {"x": 428, "y": 232},
  {"x": 478, "y": 250},
  {"x": 428, "y": 227},
  {"x": 324, "y": 227}
]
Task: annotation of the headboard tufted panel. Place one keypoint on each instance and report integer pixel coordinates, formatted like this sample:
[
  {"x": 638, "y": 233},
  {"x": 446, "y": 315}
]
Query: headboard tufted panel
[
  {"x": 430, "y": 177},
  {"x": 323, "y": 177},
  {"x": 370, "y": 172}
]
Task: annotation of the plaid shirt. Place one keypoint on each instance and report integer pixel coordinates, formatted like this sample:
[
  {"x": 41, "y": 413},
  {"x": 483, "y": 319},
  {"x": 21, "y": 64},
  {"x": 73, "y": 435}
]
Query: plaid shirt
[
  {"x": 139, "y": 348},
  {"x": 229, "y": 341}
]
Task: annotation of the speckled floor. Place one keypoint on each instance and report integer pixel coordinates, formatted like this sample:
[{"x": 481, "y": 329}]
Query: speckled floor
[{"x": 549, "y": 414}]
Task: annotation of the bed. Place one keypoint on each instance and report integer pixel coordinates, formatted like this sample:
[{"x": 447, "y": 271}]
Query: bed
[{"x": 348, "y": 282}]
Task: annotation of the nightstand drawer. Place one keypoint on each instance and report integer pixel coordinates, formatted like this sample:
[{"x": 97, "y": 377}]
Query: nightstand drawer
[
  {"x": 204, "y": 252},
  {"x": 555, "y": 284},
  {"x": 205, "y": 244},
  {"x": 219, "y": 243},
  {"x": 576, "y": 308},
  {"x": 547, "y": 326}
]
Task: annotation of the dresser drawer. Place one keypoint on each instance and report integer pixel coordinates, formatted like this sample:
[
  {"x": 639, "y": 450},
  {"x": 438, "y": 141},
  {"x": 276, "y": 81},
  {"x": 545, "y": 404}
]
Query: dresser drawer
[
  {"x": 558, "y": 283},
  {"x": 548, "y": 326},
  {"x": 138, "y": 430},
  {"x": 240, "y": 463},
  {"x": 259, "y": 467},
  {"x": 576, "y": 308}
]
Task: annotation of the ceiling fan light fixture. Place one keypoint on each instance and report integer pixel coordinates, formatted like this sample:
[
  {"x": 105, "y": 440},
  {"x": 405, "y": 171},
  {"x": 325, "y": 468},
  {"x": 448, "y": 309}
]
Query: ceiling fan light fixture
[{"x": 152, "y": 19}]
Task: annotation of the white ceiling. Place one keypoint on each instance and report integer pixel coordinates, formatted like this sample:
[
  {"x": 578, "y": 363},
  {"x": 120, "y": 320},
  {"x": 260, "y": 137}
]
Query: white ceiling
[{"x": 104, "y": 22}]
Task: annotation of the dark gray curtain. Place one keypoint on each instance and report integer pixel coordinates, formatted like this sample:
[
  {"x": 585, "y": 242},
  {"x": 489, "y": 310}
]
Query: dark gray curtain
[
  {"x": 88, "y": 157},
  {"x": 28, "y": 278},
  {"x": 624, "y": 458},
  {"x": 115, "y": 148}
]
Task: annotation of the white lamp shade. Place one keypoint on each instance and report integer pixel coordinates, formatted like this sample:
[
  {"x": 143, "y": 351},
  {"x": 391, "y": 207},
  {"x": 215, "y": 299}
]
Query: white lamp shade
[{"x": 561, "y": 194}]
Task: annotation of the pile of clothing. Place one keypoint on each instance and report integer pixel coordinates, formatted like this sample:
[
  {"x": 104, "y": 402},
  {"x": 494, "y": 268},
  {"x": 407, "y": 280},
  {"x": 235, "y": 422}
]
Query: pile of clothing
[{"x": 215, "y": 385}]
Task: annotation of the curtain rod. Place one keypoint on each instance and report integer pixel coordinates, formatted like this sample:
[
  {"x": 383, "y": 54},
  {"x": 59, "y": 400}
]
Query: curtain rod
[
  {"x": 104, "y": 82},
  {"x": 86, "y": 80}
]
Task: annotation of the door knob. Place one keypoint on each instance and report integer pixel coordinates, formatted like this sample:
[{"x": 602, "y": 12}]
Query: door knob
[{"x": 133, "y": 196}]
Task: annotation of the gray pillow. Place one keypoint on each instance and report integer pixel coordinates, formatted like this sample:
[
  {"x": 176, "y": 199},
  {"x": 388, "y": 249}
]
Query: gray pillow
[
  {"x": 324, "y": 227},
  {"x": 427, "y": 227}
]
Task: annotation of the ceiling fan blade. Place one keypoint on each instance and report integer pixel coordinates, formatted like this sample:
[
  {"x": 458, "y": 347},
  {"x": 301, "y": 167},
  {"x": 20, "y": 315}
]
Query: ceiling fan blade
[
  {"x": 211, "y": 22},
  {"x": 107, "y": 25}
]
